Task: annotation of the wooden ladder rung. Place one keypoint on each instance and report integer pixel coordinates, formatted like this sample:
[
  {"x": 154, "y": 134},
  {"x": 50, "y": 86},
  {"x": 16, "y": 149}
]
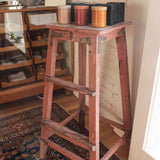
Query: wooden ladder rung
[
  {"x": 69, "y": 118},
  {"x": 116, "y": 146},
  {"x": 69, "y": 135},
  {"x": 62, "y": 150},
  {"x": 70, "y": 85}
]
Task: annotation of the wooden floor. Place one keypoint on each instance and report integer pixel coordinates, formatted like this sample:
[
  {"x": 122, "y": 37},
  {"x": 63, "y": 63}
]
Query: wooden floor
[{"x": 69, "y": 103}]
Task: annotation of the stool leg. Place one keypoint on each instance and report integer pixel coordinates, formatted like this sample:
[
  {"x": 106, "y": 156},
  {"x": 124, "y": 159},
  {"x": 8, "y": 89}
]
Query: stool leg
[
  {"x": 48, "y": 91},
  {"x": 94, "y": 80},
  {"x": 82, "y": 80},
  {"x": 124, "y": 81}
]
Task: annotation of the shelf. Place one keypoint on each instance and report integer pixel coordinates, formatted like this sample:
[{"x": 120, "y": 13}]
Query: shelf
[
  {"x": 17, "y": 65},
  {"x": 28, "y": 71},
  {"x": 30, "y": 9},
  {"x": 40, "y": 76},
  {"x": 26, "y": 90},
  {"x": 38, "y": 60},
  {"x": 39, "y": 43},
  {"x": 12, "y": 48},
  {"x": 36, "y": 27},
  {"x": 3, "y": 30},
  {"x": 9, "y": 84}
]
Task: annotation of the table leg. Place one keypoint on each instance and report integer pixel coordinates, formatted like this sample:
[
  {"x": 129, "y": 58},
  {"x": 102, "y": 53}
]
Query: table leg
[
  {"x": 94, "y": 83},
  {"x": 82, "y": 80},
  {"x": 48, "y": 90},
  {"x": 124, "y": 81}
]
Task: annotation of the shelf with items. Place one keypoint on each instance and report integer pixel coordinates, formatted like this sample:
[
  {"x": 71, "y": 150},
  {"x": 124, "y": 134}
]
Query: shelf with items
[
  {"x": 35, "y": 27},
  {"x": 16, "y": 76},
  {"x": 61, "y": 70},
  {"x": 26, "y": 90},
  {"x": 10, "y": 60},
  {"x": 40, "y": 53},
  {"x": 34, "y": 37},
  {"x": 39, "y": 43}
]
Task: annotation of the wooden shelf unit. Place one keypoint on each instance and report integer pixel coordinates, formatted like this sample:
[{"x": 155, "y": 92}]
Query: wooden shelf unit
[
  {"x": 17, "y": 65},
  {"x": 10, "y": 91},
  {"x": 39, "y": 43},
  {"x": 3, "y": 29},
  {"x": 27, "y": 90},
  {"x": 14, "y": 47}
]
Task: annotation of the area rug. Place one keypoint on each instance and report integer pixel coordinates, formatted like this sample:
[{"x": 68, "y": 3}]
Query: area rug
[{"x": 20, "y": 136}]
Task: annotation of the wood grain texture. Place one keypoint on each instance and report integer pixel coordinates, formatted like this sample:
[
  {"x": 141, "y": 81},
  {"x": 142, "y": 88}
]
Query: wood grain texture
[
  {"x": 94, "y": 83},
  {"x": 68, "y": 134},
  {"x": 82, "y": 79},
  {"x": 93, "y": 36},
  {"x": 88, "y": 29},
  {"x": 124, "y": 81},
  {"x": 26, "y": 90},
  {"x": 115, "y": 147},
  {"x": 48, "y": 89},
  {"x": 70, "y": 85},
  {"x": 20, "y": 9},
  {"x": 62, "y": 150}
]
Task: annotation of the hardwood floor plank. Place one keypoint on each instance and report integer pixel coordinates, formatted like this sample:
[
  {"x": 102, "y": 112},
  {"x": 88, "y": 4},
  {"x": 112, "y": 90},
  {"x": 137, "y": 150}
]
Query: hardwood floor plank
[{"x": 70, "y": 103}]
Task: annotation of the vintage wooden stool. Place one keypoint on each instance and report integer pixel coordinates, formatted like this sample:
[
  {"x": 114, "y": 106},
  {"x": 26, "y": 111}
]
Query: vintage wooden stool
[{"x": 85, "y": 35}]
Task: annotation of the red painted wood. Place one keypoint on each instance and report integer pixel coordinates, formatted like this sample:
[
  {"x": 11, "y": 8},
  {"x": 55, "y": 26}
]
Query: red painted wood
[
  {"x": 68, "y": 119},
  {"x": 70, "y": 85},
  {"x": 64, "y": 122},
  {"x": 116, "y": 146},
  {"x": 69, "y": 135},
  {"x": 94, "y": 37},
  {"x": 124, "y": 81},
  {"x": 82, "y": 80},
  {"x": 88, "y": 29},
  {"x": 48, "y": 90},
  {"x": 94, "y": 83},
  {"x": 62, "y": 150}
]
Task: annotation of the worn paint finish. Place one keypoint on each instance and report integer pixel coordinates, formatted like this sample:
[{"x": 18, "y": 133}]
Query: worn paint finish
[{"x": 80, "y": 35}]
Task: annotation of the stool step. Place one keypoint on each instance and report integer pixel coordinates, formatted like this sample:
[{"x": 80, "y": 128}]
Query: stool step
[
  {"x": 69, "y": 135},
  {"x": 70, "y": 85},
  {"x": 61, "y": 150}
]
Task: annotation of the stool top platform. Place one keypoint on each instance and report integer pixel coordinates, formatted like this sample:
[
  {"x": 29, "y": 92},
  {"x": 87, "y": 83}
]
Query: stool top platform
[{"x": 88, "y": 28}]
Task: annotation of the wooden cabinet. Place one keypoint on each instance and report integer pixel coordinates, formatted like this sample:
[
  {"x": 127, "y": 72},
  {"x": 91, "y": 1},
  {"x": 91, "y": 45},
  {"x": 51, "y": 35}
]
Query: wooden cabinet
[{"x": 23, "y": 52}]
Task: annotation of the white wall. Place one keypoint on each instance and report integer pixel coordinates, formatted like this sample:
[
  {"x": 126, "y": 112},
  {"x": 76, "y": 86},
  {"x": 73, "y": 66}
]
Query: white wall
[
  {"x": 137, "y": 12},
  {"x": 146, "y": 81}
]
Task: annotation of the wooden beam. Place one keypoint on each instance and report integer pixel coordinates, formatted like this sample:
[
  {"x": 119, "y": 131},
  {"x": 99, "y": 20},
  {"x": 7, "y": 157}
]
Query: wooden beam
[
  {"x": 70, "y": 85},
  {"x": 68, "y": 119},
  {"x": 62, "y": 150},
  {"x": 116, "y": 146},
  {"x": 68, "y": 134},
  {"x": 82, "y": 79},
  {"x": 124, "y": 82}
]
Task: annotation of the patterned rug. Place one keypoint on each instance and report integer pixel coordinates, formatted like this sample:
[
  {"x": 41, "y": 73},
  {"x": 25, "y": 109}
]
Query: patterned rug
[{"x": 20, "y": 136}]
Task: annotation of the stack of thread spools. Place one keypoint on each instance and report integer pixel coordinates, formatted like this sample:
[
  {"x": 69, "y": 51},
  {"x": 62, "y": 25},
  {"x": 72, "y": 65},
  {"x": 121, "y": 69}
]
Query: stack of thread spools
[{"x": 98, "y": 15}]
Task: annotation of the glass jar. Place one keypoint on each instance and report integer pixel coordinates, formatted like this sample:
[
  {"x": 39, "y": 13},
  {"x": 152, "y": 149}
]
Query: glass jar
[
  {"x": 81, "y": 15},
  {"x": 99, "y": 16},
  {"x": 64, "y": 14}
]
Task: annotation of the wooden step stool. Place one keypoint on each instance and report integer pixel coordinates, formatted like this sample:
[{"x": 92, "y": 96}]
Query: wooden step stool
[{"x": 84, "y": 35}]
